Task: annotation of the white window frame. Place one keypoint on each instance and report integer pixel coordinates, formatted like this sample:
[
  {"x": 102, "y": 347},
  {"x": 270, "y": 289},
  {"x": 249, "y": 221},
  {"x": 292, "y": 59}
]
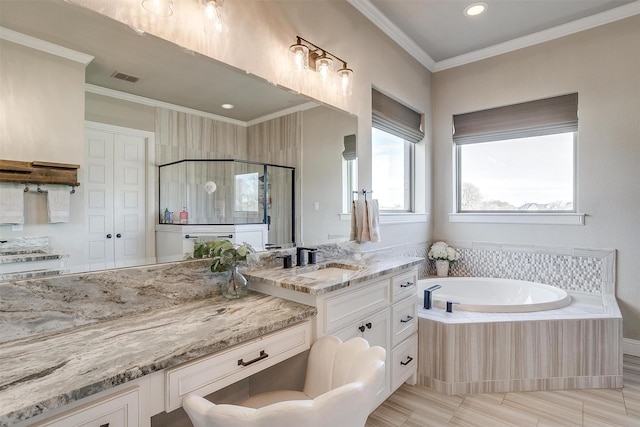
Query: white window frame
[{"x": 511, "y": 217}]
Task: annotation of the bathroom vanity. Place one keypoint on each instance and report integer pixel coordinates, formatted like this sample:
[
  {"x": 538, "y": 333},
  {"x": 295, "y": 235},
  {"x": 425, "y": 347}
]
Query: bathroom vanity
[
  {"x": 138, "y": 340},
  {"x": 375, "y": 299}
]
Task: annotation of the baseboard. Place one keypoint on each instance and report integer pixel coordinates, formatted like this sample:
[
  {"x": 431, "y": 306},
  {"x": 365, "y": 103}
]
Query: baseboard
[{"x": 631, "y": 347}]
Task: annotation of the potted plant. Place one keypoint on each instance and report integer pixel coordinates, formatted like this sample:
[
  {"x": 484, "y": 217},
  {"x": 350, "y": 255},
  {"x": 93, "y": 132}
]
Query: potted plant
[
  {"x": 444, "y": 255},
  {"x": 226, "y": 256}
]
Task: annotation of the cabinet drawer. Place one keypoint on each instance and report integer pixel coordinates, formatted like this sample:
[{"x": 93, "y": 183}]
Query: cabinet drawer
[
  {"x": 404, "y": 362},
  {"x": 120, "y": 410},
  {"x": 216, "y": 371},
  {"x": 404, "y": 320},
  {"x": 353, "y": 306},
  {"x": 404, "y": 285}
]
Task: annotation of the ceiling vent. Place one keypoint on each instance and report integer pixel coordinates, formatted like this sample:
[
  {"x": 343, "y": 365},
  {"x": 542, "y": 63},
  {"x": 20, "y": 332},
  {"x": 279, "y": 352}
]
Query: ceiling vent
[{"x": 125, "y": 77}]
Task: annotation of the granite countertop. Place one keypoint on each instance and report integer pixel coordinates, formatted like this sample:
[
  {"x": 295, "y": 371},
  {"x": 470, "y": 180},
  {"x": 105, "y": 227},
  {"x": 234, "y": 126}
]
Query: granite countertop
[
  {"x": 356, "y": 271},
  {"x": 69, "y": 337},
  {"x": 40, "y": 373}
]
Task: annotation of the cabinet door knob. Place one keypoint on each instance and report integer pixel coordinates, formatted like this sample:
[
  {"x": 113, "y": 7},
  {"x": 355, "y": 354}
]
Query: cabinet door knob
[
  {"x": 368, "y": 325},
  {"x": 361, "y": 328},
  {"x": 108, "y": 236},
  {"x": 118, "y": 235}
]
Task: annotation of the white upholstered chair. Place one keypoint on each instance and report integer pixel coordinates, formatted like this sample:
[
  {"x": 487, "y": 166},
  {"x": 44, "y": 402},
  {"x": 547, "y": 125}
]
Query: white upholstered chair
[{"x": 339, "y": 391}]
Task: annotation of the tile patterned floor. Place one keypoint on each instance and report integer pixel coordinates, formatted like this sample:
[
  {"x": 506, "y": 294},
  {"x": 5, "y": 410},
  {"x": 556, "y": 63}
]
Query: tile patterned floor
[{"x": 416, "y": 406}]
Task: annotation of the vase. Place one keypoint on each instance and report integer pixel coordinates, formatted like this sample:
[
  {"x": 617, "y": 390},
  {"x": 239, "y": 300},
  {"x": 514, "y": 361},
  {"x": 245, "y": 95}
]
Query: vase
[
  {"x": 442, "y": 267},
  {"x": 236, "y": 285}
]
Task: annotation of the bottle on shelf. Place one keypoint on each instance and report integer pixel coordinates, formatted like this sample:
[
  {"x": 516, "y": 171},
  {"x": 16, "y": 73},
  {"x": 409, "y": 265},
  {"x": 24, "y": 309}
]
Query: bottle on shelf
[{"x": 184, "y": 216}]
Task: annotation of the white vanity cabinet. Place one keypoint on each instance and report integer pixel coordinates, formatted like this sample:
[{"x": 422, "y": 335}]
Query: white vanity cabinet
[
  {"x": 382, "y": 310},
  {"x": 116, "y": 410}
]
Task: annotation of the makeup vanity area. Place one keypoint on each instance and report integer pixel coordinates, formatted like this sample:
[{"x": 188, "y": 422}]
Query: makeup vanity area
[{"x": 124, "y": 345}]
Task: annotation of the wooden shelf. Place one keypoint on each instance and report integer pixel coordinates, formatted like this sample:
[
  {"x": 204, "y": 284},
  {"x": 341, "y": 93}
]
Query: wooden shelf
[{"x": 38, "y": 172}]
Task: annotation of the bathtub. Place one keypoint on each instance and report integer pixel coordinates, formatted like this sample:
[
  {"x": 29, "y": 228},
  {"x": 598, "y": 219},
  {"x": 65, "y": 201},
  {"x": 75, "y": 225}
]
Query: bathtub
[
  {"x": 512, "y": 335},
  {"x": 491, "y": 295}
]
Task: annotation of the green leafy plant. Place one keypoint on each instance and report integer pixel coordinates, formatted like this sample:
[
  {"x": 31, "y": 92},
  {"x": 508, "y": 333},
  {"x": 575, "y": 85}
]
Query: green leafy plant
[{"x": 223, "y": 253}]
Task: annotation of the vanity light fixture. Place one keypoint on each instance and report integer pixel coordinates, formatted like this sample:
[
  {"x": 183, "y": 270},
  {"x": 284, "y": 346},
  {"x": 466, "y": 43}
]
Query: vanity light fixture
[
  {"x": 159, "y": 7},
  {"x": 213, "y": 15},
  {"x": 475, "y": 9},
  {"x": 306, "y": 55}
]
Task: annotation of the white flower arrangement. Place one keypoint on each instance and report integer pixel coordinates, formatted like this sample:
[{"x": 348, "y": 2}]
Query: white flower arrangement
[{"x": 444, "y": 252}]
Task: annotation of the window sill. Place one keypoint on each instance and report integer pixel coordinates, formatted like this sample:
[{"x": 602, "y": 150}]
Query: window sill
[
  {"x": 519, "y": 218},
  {"x": 395, "y": 218}
]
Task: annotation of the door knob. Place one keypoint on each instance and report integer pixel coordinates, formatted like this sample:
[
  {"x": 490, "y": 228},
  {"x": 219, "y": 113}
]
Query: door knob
[
  {"x": 118, "y": 235},
  {"x": 108, "y": 236}
]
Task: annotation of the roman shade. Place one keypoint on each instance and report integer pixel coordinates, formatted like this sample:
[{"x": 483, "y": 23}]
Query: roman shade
[
  {"x": 535, "y": 118},
  {"x": 350, "y": 149},
  {"x": 395, "y": 118}
]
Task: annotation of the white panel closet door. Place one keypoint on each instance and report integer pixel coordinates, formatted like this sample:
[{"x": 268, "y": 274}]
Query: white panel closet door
[{"x": 115, "y": 202}]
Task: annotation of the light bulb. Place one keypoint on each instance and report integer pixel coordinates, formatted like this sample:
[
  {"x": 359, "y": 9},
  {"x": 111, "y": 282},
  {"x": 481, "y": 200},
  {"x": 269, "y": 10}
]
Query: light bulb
[
  {"x": 346, "y": 80},
  {"x": 300, "y": 56},
  {"x": 213, "y": 15},
  {"x": 323, "y": 66}
]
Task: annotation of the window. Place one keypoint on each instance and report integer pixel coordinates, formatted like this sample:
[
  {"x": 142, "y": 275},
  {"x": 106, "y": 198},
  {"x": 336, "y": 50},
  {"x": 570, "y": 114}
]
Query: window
[
  {"x": 392, "y": 163},
  {"x": 396, "y": 129},
  {"x": 519, "y": 158}
]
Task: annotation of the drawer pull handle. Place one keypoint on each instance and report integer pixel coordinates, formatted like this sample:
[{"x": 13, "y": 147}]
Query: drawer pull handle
[
  {"x": 368, "y": 325},
  {"x": 406, "y": 285},
  {"x": 408, "y": 319},
  {"x": 409, "y": 359},
  {"x": 361, "y": 328},
  {"x": 263, "y": 355},
  {"x": 104, "y": 425}
]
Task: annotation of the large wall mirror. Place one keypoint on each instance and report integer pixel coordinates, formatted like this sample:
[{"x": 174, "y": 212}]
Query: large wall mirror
[{"x": 326, "y": 167}]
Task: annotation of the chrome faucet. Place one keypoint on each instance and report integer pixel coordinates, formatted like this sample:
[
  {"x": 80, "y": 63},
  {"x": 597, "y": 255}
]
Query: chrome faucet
[{"x": 427, "y": 296}]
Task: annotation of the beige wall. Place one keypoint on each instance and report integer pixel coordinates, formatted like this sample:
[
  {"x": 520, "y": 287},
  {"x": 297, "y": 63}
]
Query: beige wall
[
  {"x": 117, "y": 112},
  {"x": 42, "y": 118},
  {"x": 603, "y": 66},
  {"x": 323, "y": 135}
]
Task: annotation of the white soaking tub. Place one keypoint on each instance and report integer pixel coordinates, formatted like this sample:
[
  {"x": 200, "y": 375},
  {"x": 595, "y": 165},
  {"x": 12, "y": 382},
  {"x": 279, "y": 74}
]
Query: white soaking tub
[{"x": 491, "y": 295}]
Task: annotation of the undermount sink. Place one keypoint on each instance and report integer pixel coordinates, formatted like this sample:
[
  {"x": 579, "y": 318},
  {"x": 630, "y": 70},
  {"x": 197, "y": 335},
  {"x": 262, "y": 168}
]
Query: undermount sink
[
  {"x": 330, "y": 270},
  {"x": 326, "y": 273}
]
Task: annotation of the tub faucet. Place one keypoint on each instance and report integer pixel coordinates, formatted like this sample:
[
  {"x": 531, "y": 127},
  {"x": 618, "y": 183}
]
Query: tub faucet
[{"x": 427, "y": 296}]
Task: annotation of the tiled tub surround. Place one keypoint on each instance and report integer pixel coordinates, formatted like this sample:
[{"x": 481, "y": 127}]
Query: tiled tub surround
[
  {"x": 77, "y": 335},
  {"x": 578, "y": 346}
]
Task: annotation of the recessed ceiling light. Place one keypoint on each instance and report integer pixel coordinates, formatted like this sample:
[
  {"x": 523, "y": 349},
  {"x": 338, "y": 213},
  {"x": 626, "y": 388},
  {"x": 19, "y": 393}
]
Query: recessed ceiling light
[
  {"x": 475, "y": 9},
  {"x": 227, "y": 106}
]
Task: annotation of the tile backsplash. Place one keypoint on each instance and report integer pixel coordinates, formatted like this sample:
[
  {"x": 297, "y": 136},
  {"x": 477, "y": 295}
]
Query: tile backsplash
[{"x": 571, "y": 269}]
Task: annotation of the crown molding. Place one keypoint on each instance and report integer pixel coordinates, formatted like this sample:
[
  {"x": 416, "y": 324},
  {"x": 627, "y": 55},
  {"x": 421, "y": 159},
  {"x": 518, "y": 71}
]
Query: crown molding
[
  {"x": 99, "y": 90},
  {"x": 396, "y": 34},
  {"x": 302, "y": 107},
  {"x": 569, "y": 28},
  {"x": 43, "y": 46},
  {"x": 383, "y": 23}
]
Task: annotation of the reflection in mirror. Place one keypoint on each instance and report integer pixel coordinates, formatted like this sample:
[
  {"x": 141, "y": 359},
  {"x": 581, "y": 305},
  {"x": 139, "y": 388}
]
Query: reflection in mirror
[{"x": 310, "y": 140}]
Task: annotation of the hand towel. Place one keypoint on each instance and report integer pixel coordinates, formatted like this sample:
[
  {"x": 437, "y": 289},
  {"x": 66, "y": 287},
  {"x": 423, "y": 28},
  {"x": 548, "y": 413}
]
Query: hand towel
[
  {"x": 58, "y": 205},
  {"x": 358, "y": 215},
  {"x": 373, "y": 212},
  {"x": 365, "y": 236},
  {"x": 11, "y": 205},
  {"x": 353, "y": 235}
]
